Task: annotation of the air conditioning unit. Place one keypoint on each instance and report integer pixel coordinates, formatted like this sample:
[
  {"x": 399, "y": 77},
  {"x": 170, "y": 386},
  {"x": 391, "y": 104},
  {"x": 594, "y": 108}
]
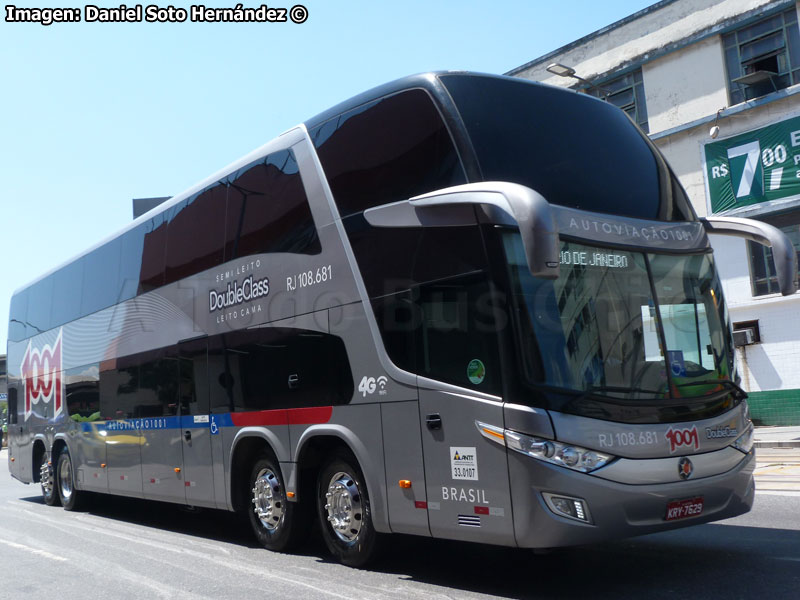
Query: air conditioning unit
[{"x": 744, "y": 337}]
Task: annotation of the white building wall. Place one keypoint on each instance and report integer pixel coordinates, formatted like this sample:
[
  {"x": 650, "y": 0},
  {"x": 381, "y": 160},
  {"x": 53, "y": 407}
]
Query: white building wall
[
  {"x": 685, "y": 85},
  {"x": 684, "y": 153},
  {"x": 774, "y": 363},
  {"x": 644, "y": 38}
]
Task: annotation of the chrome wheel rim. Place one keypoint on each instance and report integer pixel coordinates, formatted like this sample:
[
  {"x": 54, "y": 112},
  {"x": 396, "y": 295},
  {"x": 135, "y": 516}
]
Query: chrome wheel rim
[
  {"x": 47, "y": 478},
  {"x": 344, "y": 507},
  {"x": 268, "y": 499},
  {"x": 65, "y": 479}
]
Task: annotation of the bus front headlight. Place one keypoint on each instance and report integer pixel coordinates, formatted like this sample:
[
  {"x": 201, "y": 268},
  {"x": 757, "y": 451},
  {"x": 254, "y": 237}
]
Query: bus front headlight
[
  {"x": 570, "y": 456},
  {"x": 744, "y": 443}
]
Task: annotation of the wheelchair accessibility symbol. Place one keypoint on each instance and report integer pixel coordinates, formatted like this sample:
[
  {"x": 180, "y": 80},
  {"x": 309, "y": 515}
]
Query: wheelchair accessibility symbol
[
  {"x": 214, "y": 428},
  {"x": 677, "y": 363}
]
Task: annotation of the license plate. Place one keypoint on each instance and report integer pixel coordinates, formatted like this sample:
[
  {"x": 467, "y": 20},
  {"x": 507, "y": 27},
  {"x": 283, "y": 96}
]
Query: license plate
[{"x": 681, "y": 509}]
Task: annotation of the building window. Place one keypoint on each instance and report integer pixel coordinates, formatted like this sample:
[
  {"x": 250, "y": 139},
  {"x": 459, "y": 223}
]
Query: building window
[
  {"x": 762, "y": 267},
  {"x": 627, "y": 93},
  {"x": 763, "y": 57}
]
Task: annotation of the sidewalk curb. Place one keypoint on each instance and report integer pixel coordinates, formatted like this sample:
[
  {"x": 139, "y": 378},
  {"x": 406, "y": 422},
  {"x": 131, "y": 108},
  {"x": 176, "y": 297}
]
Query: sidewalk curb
[{"x": 784, "y": 444}]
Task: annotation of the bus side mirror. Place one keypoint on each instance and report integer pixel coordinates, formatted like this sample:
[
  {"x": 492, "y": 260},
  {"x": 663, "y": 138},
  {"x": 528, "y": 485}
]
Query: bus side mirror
[
  {"x": 783, "y": 253},
  {"x": 499, "y": 202}
]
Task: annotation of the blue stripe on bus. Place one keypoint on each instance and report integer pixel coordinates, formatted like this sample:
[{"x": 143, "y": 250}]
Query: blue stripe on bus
[
  {"x": 156, "y": 423},
  {"x": 276, "y": 417}
]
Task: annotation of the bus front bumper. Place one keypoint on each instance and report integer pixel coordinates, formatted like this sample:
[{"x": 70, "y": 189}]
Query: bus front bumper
[{"x": 616, "y": 510}]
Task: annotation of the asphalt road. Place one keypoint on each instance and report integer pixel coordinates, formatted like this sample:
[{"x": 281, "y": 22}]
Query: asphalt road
[{"x": 122, "y": 549}]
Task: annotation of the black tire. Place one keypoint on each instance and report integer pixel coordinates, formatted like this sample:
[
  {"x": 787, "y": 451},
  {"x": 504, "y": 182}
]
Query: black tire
[
  {"x": 278, "y": 524},
  {"x": 47, "y": 480},
  {"x": 344, "y": 511},
  {"x": 71, "y": 498}
]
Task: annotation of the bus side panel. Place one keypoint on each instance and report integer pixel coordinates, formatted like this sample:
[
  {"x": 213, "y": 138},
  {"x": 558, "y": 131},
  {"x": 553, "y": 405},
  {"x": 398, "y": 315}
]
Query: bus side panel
[
  {"x": 88, "y": 452},
  {"x": 220, "y": 463},
  {"x": 162, "y": 462},
  {"x": 22, "y": 432},
  {"x": 466, "y": 474},
  {"x": 359, "y": 428},
  {"x": 362, "y": 424},
  {"x": 123, "y": 453},
  {"x": 403, "y": 455},
  {"x": 16, "y": 456}
]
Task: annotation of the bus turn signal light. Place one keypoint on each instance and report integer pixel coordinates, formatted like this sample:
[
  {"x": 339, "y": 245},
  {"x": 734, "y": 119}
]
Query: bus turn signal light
[{"x": 404, "y": 483}]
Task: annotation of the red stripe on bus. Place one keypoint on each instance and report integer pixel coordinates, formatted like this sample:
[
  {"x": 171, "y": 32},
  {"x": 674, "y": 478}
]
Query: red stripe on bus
[
  {"x": 284, "y": 416},
  {"x": 310, "y": 416},
  {"x": 261, "y": 417}
]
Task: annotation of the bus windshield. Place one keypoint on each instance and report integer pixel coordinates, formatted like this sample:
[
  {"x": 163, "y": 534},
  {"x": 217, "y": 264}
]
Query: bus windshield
[
  {"x": 558, "y": 144},
  {"x": 623, "y": 324}
]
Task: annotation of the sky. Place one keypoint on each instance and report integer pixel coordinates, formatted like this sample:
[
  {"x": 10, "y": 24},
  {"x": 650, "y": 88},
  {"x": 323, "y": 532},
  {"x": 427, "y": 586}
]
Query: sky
[{"x": 93, "y": 115}]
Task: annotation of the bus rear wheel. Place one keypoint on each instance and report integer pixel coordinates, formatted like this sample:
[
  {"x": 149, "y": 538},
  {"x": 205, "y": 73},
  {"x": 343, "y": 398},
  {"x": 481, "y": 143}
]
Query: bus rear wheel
[
  {"x": 70, "y": 497},
  {"x": 276, "y": 522},
  {"x": 345, "y": 514},
  {"x": 47, "y": 479}
]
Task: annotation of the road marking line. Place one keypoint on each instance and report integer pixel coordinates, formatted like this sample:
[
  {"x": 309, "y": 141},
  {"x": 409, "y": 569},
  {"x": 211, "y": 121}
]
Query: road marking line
[
  {"x": 35, "y": 551},
  {"x": 171, "y": 546}
]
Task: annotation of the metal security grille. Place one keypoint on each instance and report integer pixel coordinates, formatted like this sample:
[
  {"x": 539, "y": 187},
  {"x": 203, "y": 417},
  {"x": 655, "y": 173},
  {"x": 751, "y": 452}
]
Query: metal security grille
[
  {"x": 469, "y": 521},
  {"x": 763, "y": 57}
]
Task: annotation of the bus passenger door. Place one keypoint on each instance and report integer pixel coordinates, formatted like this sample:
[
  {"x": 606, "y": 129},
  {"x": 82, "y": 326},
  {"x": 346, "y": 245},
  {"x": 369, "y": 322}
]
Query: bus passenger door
[
  {"x": 466, "y": 474},
  {"x": 193, "y": 393}
]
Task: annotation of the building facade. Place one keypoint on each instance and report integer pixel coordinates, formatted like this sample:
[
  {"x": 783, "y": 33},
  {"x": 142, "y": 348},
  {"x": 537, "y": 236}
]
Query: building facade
[{"x": 716, "y": 85}]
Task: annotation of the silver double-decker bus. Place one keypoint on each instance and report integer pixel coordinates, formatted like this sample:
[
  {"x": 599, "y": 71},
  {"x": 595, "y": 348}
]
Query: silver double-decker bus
[{"x": 459, "y": 306}]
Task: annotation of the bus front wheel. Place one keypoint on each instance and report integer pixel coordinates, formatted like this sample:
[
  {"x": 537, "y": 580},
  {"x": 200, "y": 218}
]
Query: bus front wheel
[{"x": 344, "y": 512}]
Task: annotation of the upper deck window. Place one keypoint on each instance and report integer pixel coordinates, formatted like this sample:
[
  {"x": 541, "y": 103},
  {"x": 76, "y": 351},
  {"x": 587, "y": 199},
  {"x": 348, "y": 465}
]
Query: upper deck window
[
  {"x": 763, "y": 57},
  {"x": 575, "y": 151},
  {"x": 268, "y": 209},
  {"x": 387, "y": 150}
]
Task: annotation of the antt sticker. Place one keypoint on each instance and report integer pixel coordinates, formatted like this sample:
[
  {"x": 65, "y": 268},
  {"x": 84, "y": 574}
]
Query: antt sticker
[{"x": 463, "y": 463}]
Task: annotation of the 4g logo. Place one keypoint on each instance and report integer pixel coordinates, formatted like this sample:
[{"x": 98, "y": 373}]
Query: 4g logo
[
  {"x": 41, "y": 372},
  {"x": 369, "y": 385}
]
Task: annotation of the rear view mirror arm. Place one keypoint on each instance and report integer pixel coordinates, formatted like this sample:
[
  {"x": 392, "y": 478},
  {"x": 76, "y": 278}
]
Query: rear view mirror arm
[
  {"x": 501, "y": 203},
  {"x": 783, "y": 252}
]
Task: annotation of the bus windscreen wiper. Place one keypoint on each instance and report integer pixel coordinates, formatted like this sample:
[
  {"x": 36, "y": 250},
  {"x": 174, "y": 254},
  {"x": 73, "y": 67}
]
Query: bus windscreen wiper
[
  {"x": 602, "y": 389},
  {"x": 739, "y": 392}
]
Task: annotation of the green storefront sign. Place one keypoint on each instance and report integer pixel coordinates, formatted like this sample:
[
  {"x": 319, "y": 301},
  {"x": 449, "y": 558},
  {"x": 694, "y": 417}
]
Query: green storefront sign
[{"x": 754, "y": 167}]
